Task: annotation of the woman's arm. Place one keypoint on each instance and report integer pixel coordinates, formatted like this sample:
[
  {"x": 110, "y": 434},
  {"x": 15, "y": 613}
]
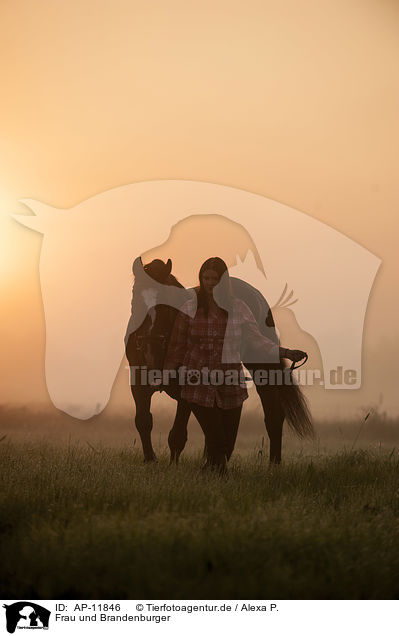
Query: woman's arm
[{"x": 254, "y": 340}]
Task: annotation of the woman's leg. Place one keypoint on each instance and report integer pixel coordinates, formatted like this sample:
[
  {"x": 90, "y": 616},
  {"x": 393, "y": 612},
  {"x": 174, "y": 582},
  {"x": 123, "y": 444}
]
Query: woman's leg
[
  {"x": 178, "y": 433},
  {"x": 230, "y": 422},
  {"x": 210, "y": 420}
]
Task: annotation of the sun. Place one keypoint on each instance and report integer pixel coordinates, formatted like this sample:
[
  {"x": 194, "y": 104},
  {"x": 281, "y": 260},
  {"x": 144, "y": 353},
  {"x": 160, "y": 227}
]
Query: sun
[
  {"x": 13, "y": 251},
  {"x": 7, "y": 244}
]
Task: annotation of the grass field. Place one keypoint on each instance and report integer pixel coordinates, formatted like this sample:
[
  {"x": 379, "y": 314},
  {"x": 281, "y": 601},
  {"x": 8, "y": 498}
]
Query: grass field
[{"x": 81, "y": 518}]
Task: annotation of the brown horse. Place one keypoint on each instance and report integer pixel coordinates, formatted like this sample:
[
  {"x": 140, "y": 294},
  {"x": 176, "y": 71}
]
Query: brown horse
[{"x": 157, "y": 295}]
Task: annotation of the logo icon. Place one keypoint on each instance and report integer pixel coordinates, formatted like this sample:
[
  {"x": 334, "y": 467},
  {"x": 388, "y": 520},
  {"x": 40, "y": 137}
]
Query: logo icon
[{"x": 26, "y": 615}]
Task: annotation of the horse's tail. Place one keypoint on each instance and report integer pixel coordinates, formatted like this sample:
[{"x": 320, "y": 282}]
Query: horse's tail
[
  {"x": 293, "y": 402},
  {"x": 296, "y": 410}
]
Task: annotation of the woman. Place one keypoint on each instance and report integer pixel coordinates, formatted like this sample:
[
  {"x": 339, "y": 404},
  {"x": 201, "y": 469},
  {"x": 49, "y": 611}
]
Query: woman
[{"x": 205, "y": 346}]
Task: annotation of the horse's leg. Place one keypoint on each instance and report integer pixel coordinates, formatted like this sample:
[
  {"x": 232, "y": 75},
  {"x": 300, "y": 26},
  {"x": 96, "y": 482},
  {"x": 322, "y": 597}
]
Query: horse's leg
[
  {"x": 274, "y": 418},
  {"x": 142, "y": 397},
  {"x": 178, "y": 433}
]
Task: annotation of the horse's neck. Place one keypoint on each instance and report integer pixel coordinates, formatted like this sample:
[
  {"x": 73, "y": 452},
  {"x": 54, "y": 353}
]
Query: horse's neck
[
  {"x": 159, "y": 318},
  {"x": 152, "y": 314},
  {"x": 257, "y": 304},
  {"x": 173, "y": 282}
]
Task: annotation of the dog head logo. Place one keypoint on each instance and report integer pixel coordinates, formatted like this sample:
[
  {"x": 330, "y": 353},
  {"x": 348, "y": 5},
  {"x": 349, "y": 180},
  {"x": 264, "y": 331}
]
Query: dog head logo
[
  {"x": 26, "y": 615},
  {"x": 85, "y": 274}
]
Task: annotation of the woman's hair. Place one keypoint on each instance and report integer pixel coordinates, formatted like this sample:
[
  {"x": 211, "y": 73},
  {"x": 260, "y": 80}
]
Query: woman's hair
[{"x": 223, "y": 295}]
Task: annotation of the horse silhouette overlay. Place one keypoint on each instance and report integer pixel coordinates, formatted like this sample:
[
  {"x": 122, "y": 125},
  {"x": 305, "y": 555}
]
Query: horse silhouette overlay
[
  {"x": 328, "y": 271},
  {"x": 157, "y": 297}
]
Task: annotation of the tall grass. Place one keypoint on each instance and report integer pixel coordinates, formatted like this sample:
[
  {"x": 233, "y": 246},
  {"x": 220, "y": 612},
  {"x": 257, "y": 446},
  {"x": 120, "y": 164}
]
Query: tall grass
[{"x": 86, "y": 520}]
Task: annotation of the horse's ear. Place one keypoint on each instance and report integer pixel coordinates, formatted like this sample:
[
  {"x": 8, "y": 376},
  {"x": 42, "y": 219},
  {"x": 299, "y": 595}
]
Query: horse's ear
[
  {"x": 137, "y": 266},
  {"x": 168, "y": 266},
  {"x": 46, "y": 217}
]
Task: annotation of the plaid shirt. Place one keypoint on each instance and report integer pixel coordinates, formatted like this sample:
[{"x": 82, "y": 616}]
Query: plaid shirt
[{"x": 199, "y": 342}]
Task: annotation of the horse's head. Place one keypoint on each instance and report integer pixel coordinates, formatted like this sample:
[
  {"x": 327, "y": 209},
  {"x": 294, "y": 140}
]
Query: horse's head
[
  {"x": 157, "y": 295},
  {"x": 149, "y": 281},
  {"x": 154, "y": 285},
  {"x": 159, "y": 271}
]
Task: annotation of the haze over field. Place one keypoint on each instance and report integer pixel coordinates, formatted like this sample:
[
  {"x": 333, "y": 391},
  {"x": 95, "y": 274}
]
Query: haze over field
[{"x": 294, "y": 101}]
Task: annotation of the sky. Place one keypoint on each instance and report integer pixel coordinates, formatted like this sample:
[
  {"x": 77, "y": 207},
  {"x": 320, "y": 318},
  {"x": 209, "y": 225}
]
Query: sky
[{"x": 296, "y": 101}]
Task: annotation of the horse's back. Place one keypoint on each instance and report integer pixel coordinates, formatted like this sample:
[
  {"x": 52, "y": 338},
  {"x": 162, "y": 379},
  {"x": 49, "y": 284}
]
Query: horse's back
[{"x": 258, "y": 306}]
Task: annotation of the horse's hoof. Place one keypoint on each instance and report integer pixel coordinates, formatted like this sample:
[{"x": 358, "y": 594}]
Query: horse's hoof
[
  {"x": 151, "y": 460},
  {"x": 274, "y": 462}
]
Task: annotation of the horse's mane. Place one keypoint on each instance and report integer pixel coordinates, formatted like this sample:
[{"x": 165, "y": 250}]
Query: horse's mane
[
  {"x": 256, "y": 302},
  {"x": 172, "y": 280}
]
